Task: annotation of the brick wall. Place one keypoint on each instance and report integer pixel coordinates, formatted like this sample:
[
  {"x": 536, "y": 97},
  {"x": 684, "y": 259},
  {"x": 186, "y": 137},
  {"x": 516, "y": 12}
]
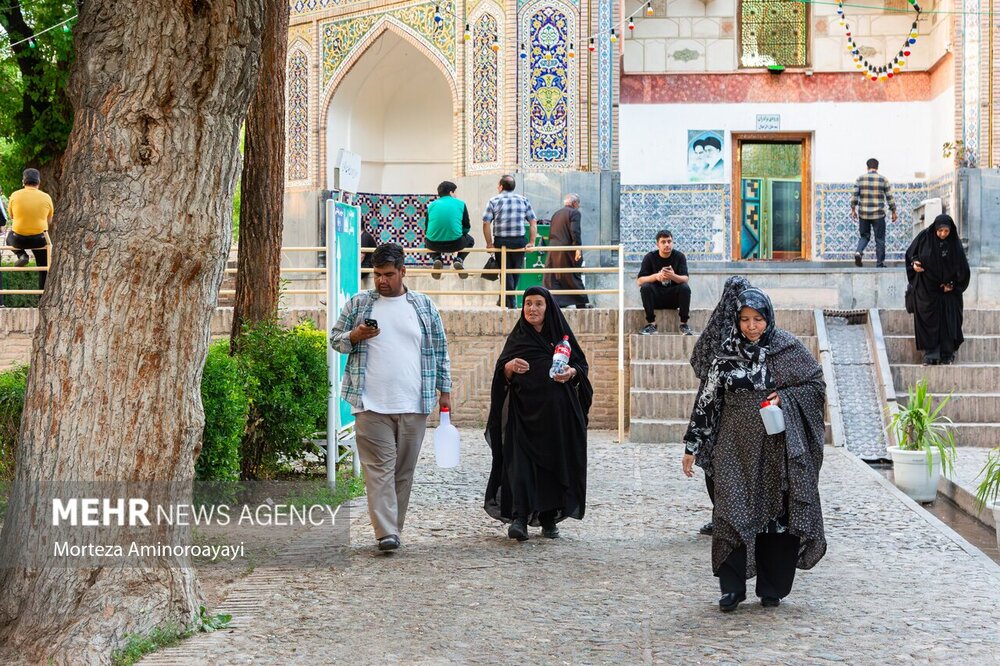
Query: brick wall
[{"x": 475, "y": 338}]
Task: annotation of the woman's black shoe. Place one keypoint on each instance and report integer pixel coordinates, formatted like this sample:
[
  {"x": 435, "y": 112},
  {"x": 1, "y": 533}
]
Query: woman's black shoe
[
  {"x": 518, "y": 530},
  {"x": 770, "y": 602},
  {"x": 707, "y": 528},
  {"x": 550, "y": 531},
  {"x": 730, "y": 600}
]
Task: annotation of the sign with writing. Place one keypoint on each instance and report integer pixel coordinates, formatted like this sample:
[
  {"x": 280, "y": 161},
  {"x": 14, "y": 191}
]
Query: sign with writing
[
  {"x": 348, "y": 170},
  {"x": 768, "y": 122}
]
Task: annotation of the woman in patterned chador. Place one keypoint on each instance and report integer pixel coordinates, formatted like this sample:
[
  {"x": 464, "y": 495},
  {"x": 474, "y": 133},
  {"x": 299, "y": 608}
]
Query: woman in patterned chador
[{"x": 767, "y": 516}]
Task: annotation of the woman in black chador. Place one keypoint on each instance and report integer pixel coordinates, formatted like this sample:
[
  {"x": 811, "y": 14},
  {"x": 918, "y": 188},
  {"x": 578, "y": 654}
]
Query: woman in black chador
[
  {"x": 537, "y": 428},
  {"x": 938, "y": 273},
  {"x": 767, "y": 516}
]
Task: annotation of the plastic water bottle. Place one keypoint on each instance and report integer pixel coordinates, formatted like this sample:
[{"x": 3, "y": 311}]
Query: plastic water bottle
[
  {"x": 446, "y": 441},
  {"x": 774, "y": 420},
  {"x": 560, "y": 358}
]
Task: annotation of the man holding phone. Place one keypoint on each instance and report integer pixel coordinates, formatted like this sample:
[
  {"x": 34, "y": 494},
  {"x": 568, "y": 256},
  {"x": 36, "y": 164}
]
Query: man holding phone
[
  {"x": 663, "y": 283},
  {"x": 397, "y": 368}
]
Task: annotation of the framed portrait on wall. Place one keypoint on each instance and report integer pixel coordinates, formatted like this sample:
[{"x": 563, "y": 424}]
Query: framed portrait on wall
[{"x": 706, "y": 160}]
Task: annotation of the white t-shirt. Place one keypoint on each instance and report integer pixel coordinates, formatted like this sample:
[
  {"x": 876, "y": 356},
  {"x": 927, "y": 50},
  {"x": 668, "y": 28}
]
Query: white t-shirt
[{"x": 392, "y": 369}]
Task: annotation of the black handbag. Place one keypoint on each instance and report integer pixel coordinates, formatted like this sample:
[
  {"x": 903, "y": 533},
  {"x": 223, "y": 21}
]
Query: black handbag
[
  {"x": 491, "y": 265},
  {"x": 909, "y": 299}
]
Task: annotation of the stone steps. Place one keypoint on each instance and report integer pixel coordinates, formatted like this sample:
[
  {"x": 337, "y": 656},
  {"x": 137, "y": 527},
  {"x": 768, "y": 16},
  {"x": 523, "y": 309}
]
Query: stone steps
[
  {"x": 974, "y": 322},
  {"x": 676, "y": 375},
  {"x": 961, "y": 378},
  {"x": 677, "y": 347},
  {"x": 975, "y": 349},
  {"x": 662, "y": 404},
  {"x": 799, "y": 322},
  {"x": 671, "y": 431},
  {"x": 966, "y": 407}
]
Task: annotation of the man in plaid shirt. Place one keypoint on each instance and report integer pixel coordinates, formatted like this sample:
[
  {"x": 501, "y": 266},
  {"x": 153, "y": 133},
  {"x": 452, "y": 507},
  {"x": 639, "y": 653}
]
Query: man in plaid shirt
[
  {"x": 872, "y": 193},
  {"x": 397, "y": 365},
  {"x": 507, "y": 213}
]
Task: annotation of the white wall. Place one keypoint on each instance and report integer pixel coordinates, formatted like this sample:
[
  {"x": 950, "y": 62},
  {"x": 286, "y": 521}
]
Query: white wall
[
  {"x": 394, "y": 108},
  {"x": 654, "y": 137}
]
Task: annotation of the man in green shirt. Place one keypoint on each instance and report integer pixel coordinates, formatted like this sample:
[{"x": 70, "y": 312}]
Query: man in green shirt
[{"x": 447, "y": 223}]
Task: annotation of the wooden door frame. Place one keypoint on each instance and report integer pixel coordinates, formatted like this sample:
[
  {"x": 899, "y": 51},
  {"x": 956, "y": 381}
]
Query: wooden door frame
[{"x": 736, "y": 222}]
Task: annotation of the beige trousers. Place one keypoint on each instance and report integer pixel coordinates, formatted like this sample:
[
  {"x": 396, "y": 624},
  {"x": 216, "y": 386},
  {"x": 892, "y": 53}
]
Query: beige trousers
[{"x": 388, "y": 445}]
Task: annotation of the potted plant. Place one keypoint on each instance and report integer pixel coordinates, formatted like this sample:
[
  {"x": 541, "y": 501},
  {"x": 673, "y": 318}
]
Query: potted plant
[
  {"x": 925, "y": 444},
  {"x": 988, "y": 491}
]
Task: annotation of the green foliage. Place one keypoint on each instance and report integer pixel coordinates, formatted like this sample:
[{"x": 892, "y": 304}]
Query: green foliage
[
  {"x": 288, "y": 396},
  {"x": 315, "y": 492},
  {"x": 919, "y": 426},
  {"x": 35, "y": 115},
  {"x": 224, "y": 396},
  {"x": 19, "y": 280},
  {"x": 988, "y": 491},
  {"x": 209, "y": 623},
  {"x": 138, "y": 647},
  {"x": 13, "y": 384}
]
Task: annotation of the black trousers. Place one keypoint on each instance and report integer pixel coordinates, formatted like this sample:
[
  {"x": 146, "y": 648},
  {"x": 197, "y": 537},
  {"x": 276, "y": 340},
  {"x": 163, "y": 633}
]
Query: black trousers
[
  {"x": 865, "y": 228},
  {"x": 514, "y": 260},
  {"x": 440, "y": 247},
  {"x": 776, "y": 558},
  {"x": 710, "y": 486},
  {"x": 655, "y": 296},
  {"x": 36, "y": 244}
]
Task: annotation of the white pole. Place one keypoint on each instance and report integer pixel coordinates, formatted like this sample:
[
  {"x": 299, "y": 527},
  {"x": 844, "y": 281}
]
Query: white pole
[{"x": 332, "y": 365}]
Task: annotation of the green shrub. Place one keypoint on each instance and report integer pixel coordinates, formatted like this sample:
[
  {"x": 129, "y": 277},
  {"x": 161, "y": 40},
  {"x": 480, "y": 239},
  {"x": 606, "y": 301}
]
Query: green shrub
[
  {"x": 13, "y": 383},
  {"x": 224, "y": 397},
  {"x": 19, "y": 280},
  {"x": 288, "y": 394}
]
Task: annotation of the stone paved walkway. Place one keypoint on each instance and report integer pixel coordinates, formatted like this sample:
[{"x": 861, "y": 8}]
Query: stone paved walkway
[{"x": 630, "y": 584}]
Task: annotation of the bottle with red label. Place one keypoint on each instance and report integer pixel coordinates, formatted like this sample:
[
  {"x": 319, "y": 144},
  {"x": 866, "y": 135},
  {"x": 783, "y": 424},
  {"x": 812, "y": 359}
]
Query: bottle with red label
[
  {"x": 560, "y": 357},
  {"x": 774, "y": 420}
]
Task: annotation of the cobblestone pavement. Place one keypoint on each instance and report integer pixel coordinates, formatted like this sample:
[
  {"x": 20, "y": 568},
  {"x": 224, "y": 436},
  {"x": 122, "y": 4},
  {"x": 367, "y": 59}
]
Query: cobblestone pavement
[
  {"x": 859, "y": 400},
  {"x": 629, "y": 584}
]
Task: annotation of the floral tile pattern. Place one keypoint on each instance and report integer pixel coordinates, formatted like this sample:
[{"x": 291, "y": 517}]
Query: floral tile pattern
[
  {"x": 396, "y": 218},
  {"x": 605, "y": 87},
  {"x": 484, "y": 92},
  {"x": 696, "y": 214},
  {"x": 297, "y": 117}
]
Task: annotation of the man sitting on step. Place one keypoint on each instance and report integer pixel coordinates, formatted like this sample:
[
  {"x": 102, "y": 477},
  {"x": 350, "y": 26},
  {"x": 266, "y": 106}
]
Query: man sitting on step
[
  {"x": 448, "y": 229},
  {"x": 663, "y": 283}
]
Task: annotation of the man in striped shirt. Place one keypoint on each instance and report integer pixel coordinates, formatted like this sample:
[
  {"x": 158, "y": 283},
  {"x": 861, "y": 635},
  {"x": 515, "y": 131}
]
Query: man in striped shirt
[
  {"x": 872, "y": 193},
  {"x": 503, "y": 226}
]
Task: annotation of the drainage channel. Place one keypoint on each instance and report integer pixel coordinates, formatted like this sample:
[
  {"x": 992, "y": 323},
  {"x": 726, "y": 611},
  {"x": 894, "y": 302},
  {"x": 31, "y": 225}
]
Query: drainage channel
[{"x": 952, "y": 515}]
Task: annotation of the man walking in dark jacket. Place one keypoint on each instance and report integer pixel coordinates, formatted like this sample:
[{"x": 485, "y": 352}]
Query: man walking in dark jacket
[{"x": 564, "y": 230}]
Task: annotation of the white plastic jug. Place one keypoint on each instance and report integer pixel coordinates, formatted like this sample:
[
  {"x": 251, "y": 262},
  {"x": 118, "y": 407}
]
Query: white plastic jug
[
  {"x": 774, "y": 420},
  {"x": 446, "y": 441}
]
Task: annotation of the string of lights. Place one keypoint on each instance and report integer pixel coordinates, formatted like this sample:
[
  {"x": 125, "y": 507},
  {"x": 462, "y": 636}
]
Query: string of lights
[{"x": 31, "y": 39}]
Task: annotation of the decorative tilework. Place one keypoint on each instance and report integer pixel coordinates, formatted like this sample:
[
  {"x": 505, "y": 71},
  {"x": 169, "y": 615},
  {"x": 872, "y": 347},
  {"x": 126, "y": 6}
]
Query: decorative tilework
[
  {"x": 340, "y": 37},
  {"x": 697, "y": 214},
  {"x": 773, "y": 32},
  {"x": 837, "y": 234},
  {"x": 970, "y": 80},
  {"x": 548, "y": 90},
  {"x": 521, "y": 3},
  {"x": 605, "y": 87},
  {"x": 484, "y": 89},
  {"x": 396, "y": 218},
  {"x": 297, "y": 117}
]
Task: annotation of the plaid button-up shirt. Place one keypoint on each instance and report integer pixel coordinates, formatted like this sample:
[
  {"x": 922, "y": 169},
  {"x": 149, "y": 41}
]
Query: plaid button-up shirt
[
  {"x": 869, "y": 192},
  {"x": 435, "y": 366},
  {"x": 509, "y": 213}
]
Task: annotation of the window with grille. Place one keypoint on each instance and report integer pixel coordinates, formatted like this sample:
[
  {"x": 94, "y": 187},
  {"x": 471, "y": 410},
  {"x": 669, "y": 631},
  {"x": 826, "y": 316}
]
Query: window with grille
[{"x": 774, "y": 32}]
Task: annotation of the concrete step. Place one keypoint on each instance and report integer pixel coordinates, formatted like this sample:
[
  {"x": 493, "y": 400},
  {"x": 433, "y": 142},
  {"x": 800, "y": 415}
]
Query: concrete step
[
  {"x": 967, "y": 407},
  {"x": 979, "y": 435},
  {"x": 975, "y": 349},
  {"x": 676, "y": 375},
  {"x": 799, "y": 322},
  {"x": 974, "y": 322},
  {"x": 661, "y": 404},
  {"x": 676, "y": 347},
  {"x": 671, "y": 431},
  {"x": 961, "y": 378}
]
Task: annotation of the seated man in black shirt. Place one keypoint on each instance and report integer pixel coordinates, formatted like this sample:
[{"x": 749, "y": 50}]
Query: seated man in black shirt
[{"x": 663, "y": 283}]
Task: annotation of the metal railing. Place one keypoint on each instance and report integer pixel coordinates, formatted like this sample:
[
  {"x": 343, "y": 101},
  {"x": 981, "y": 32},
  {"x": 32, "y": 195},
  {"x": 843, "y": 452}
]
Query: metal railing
[{"x": 26, "y": 269}]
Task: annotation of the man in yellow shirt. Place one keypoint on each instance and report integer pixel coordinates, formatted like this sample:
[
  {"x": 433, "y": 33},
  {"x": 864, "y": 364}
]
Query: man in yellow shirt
[{"x": 30, "y": 213}]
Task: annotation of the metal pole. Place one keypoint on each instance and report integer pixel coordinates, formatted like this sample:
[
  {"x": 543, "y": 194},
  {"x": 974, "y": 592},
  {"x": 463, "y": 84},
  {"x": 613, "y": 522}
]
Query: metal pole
[
  {"x": 333, "y": 398},
  {"x": 621, "y": 345},
  {"x": 503, "y": 277}
]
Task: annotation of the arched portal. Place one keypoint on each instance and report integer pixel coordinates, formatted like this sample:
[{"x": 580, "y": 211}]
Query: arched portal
[{"x": 395, "y": 108}]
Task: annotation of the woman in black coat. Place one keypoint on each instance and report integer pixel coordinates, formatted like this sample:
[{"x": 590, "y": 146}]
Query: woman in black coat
[{"x": 938, "y": 273}]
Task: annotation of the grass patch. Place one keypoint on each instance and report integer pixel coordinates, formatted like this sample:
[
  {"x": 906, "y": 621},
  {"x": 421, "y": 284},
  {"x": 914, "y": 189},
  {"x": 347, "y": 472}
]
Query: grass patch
[
  {"x": 167, "y": 636},
  {"x": 315, "y": 491}
]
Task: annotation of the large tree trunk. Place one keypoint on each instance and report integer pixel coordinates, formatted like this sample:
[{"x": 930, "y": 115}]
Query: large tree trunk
[
  {"x": 159, "y": 91},
  {"x": 258, "y": 261}
]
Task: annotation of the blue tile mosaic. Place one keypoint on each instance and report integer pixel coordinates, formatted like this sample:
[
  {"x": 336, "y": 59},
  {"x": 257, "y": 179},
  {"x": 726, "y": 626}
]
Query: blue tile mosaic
[{"x": 696, "y": 214}]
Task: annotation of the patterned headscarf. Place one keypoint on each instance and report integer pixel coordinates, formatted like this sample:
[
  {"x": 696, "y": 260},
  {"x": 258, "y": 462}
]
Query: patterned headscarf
[
  {"x": 739, "y": 346},
  {"x": 719, "y": 326}
]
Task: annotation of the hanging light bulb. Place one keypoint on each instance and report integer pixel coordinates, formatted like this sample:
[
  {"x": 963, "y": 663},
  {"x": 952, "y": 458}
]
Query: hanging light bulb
[
  {"x": 571, "y": 53},
  {"x": 649, "y": 9},
  {"x": 591, "y": 46},
  {"x": 65, "y": 27},
  {"x": 523, "y": 55},
  {"x": 468, "y": 33},
  {"x": 614, "y": 37},
  {"x": 31, "y": 43},
  {"x": 631, "y": 25},
  {"x": 495, "y": 46}
]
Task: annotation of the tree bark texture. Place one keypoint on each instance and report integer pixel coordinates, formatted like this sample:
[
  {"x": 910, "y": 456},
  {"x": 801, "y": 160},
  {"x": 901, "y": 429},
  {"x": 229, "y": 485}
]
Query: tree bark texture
[
  {"x": 159, "y": 90},
  {"x": 258, "y": 260}
]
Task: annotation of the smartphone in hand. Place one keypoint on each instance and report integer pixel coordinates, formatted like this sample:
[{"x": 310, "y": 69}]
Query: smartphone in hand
[{"x": 371, "y": 323}]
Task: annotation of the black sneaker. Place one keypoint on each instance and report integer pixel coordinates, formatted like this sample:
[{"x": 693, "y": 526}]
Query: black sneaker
[
  {"x": 707, "y": 528},
  {"x": 685, "y": 329},
  {"x": 650, "y": 329},
  {"x": 518, "y": 530},
  {"x": 857, "y": 259},
  {"x": 438, "y": 266}
]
